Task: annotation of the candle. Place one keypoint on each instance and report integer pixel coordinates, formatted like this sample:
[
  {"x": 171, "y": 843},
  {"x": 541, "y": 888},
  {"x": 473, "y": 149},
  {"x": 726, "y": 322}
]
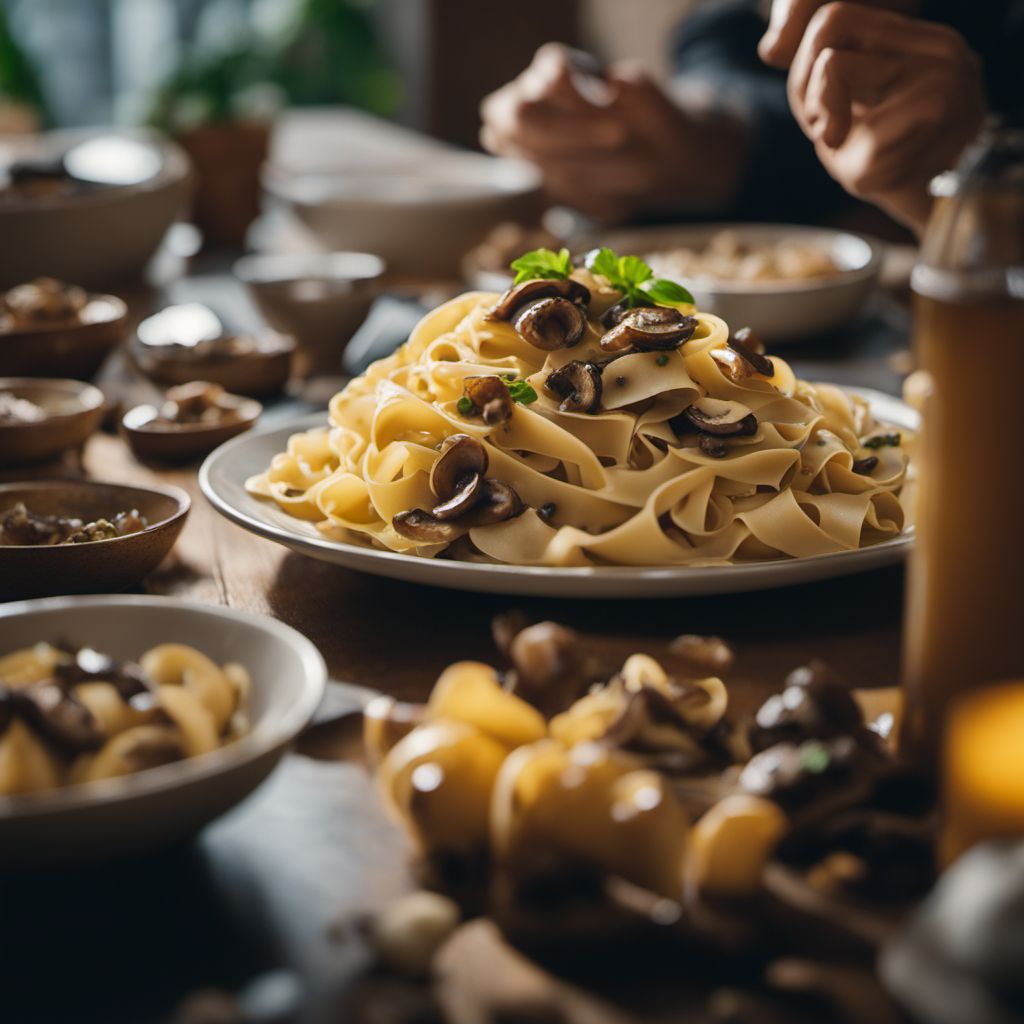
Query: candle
[{"x": 983, "y": 791}]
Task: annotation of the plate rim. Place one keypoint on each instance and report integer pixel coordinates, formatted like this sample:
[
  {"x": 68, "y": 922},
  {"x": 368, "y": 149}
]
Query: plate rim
[{"x": 885, "y": 552}]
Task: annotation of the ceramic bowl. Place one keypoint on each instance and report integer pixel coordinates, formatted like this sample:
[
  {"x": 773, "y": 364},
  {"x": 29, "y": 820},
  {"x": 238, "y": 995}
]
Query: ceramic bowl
[
  {"x": 779, "y": 311},
  {"x": 73, "y": 412},
  {"x": 37, "y": 570},
  {"x": 98, "y": 236},
  {"x": 262, "y": 371},
  {"x": 420, "y": 216},
  {"x": 75, "y": 349},
  {"x": 318, "y": 300},
  {"x": 152, "y": 440},
  {"x": 118, "y": 817}
]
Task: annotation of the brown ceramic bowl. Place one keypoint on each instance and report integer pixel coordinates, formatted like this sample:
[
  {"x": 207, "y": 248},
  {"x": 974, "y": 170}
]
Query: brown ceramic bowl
[
  {"x": 73, "y": 411},
  {"x": 256, "y": 374},
  {"x": 153, "y": 440},
  {"x": 73, "y": 349},
  {"x": 37, "y": 570}
]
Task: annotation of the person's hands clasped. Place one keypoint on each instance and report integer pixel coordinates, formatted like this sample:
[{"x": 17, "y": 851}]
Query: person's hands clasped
[
  {"x": 888, "y": 100},
  {"x": 610, "y": 146}
]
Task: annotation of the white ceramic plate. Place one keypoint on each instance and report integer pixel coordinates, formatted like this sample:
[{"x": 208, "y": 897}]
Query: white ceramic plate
[
  {"x": 116, "y": 817},
  {"x": 223, "y": 475}
]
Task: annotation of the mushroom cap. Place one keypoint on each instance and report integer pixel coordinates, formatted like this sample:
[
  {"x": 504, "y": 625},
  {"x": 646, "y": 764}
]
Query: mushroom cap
[
  {"x": 748, "y": 345},
  {"x": 90, "y": 666},
  {"x": 418, "y": 525},
  {"x": 58, "y": 716},
  {"x": 540, "y": 288},
  {"x": 551, "y": 324},
  {"x": 649, "y": 328},
  {"x": 468, "y": 491},
  {"x": 490, "y": 398},
  {"x": 579, "y": 384},
  {"x": 461, "y": 456},
  {"x": 721, "y": 418},
  {"x": 497, "y": 502}
]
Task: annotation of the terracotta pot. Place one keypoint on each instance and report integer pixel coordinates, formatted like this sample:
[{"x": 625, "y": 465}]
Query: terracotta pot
[{"x": 227, "y": 157}]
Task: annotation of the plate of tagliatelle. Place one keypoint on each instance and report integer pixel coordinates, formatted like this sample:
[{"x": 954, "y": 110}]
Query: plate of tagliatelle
[{"x": 589, "y": 433}]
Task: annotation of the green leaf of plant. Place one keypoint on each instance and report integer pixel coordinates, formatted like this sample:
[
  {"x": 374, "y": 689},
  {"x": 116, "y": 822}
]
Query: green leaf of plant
[
  {"x": 522, "y": 391},
  {"x": 667, "y": 293},
  {"x": 604, "y": 262},
  {"x": 542, "y": 263},
  {"x": 633, "y": 271}
]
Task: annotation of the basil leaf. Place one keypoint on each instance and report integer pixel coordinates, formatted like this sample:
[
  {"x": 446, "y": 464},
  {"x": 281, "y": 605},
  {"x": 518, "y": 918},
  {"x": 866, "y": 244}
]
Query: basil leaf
[
  {"x": 633, "y": 271},
  {"x": 604, "y": 262},
  {"x": 522, "y": 391},
  {"x": 542, "y": 263},
  {"x": 667, "y": 293}
]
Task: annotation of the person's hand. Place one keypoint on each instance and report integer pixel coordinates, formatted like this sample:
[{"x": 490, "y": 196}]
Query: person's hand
[
  {"x": 888, "y": 100},
  {"x": 611, "y": 145}
]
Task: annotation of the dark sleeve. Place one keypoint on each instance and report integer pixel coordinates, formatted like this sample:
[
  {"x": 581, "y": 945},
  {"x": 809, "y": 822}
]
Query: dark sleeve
[{"x": 783, "y": 179}]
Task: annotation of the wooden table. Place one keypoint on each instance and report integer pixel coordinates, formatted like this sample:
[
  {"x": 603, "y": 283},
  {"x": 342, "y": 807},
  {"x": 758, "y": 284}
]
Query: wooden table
[{"x": 261, "y": 904}]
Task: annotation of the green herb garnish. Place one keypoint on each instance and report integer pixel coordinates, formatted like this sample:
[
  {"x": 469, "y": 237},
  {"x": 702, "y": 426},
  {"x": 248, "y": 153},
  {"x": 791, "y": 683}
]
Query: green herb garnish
[
  {"x": 814, "y": 758},
  {"x": 464, "y": 405},
  {"x": 631, "y": 276},
  {"x": 542, "y": 263},
  {"x": 662, "y": 360},
  {"x": 521, "y": 391},
  {"x": 884, "y": 441}
]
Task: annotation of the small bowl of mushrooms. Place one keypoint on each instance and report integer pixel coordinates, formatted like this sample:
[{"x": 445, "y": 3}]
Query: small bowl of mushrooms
[
  {"x": 189, "y": 342},
  {"x": 41, "y": 419},
  {"x": 48, "y": 327},
  {"x": 192, "y": 420}
]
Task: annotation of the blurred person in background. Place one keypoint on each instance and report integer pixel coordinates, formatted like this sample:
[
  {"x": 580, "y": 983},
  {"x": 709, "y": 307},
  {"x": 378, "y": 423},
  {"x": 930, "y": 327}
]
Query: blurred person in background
[{"x": 780, "y": 121}]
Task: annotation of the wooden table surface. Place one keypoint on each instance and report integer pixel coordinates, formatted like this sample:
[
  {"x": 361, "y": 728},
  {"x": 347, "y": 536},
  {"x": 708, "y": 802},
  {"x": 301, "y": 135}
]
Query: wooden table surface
[{"x": 261, "y": 905}]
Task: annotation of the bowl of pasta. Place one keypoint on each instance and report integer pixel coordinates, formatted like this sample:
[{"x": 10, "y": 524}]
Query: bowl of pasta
[
  {"x": 590, "y": 432},
  {"x": 129, "y": 722},
  {"x": 791, "y": 282}
]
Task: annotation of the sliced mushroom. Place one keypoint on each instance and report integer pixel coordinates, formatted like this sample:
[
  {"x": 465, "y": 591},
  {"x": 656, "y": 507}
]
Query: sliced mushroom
[
  {"x": 865, "y": 466},
  {"x": 90, "y": 666},
  {"x": 418, "y": 525},
  {"x": 490, "y": 398},
  {"x": 497, "y": 502},
  {"x": 650, "y": 723},
  {"x": 551, "y": 324},
  {"x": 613, "y": 315},
  {"x": 505, "y": 627},
  {"x": 531, "y": 291},
  {"x": 59, "y": 716},
  {"x": 709, "y": 654},
  {"x": 721, "y": 419},
  {"x": 461, "y": 456},
  {"x": 468, "y": 491},
  {"x": 579, "y": 386},
  {"x": 747, "y": 344},
  {"x": 551, "y": 667},
  {"x": 649, "y": 328},
  {"x": 713, "y": 447}
]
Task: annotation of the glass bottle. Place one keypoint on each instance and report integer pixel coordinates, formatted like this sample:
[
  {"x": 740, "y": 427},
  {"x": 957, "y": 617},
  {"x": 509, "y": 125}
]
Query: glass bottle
[{"x": 964, "y": 616}]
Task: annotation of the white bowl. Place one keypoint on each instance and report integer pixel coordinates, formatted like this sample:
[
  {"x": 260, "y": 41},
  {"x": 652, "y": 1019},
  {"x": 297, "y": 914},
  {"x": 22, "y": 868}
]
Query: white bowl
[
  {"x": 318, "y": 299},
  {"x": 779, "y": 311},
  {"x": 102, "y": 238},
  {"x": 117, "y": 817},
  {"x": 421, "y": 217}
]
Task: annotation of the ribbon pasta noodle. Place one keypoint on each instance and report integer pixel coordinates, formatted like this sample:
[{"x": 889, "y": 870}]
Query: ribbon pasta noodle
[
  {"x": 629, "y": 482},
  {"x": 68, "y": 718}
]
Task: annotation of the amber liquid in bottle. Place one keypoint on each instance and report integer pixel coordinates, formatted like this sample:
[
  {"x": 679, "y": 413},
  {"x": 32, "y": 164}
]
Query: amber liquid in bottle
[{"x": 965, "y": 601}]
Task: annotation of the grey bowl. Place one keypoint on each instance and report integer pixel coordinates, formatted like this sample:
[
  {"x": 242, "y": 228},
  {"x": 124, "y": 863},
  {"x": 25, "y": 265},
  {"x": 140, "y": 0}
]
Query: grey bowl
[{"x": 119, "y": 817}]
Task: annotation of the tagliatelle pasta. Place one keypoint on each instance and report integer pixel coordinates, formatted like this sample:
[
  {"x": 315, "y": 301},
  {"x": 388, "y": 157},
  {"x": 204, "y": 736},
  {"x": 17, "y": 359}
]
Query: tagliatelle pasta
[{"x": 635, "y": 481}]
